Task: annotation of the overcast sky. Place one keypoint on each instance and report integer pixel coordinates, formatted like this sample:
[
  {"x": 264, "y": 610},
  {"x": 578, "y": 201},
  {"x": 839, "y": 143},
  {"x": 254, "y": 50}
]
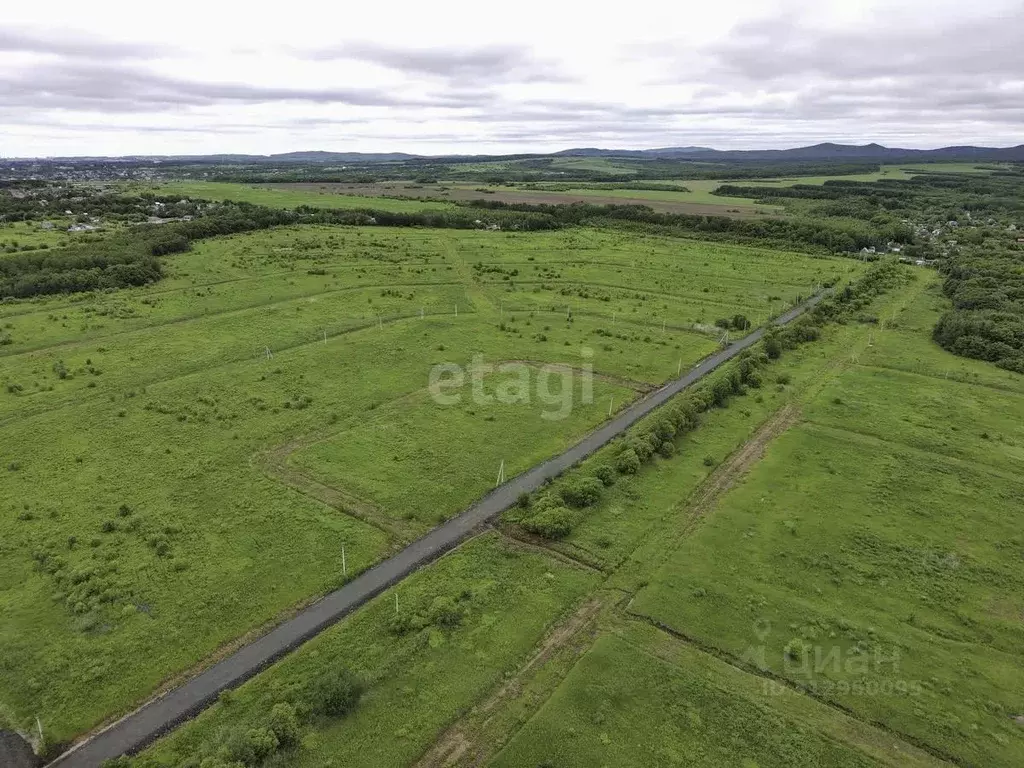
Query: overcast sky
[{"x": 114, "y": 78}]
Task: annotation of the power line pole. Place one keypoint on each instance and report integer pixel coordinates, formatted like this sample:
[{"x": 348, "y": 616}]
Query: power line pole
[
  {"x": 344, "y": 566},
  {"x": 501, "y": 474}
]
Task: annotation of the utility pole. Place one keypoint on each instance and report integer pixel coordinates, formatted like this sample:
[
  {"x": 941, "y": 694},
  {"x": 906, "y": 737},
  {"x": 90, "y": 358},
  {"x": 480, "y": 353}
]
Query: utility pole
[
  {"x": 325, "y": 335},
  {"x": 344, "y": 566},
  {"x": 501, "y": 474},
  {"x": 610, "y": 400}
]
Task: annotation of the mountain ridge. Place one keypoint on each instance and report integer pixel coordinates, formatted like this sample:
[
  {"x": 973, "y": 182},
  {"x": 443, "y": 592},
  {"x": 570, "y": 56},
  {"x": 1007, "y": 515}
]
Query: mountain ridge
[{"x": 821, "y": 151}]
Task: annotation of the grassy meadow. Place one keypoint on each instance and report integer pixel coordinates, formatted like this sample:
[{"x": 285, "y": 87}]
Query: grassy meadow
[
  {"x": 825, "y": 573},
  {"x": 239, "y": 422},
  {"x": 622, "y": 692},
  {"x": 871, "y": 557}
]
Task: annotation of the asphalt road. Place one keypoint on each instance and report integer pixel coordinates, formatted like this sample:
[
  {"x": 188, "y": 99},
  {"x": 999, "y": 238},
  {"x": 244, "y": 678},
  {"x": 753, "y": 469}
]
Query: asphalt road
[{"x": 153, "y": 719}]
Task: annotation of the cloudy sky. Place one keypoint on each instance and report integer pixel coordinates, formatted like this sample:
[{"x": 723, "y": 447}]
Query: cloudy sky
[{"x": 111, "y": 78}]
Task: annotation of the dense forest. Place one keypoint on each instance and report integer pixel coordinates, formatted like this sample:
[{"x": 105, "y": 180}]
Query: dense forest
[{"x": 987, "y": 319}]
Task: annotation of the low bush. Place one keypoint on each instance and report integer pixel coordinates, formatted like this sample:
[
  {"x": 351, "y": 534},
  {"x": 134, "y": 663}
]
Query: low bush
[
  {"x": 582, "y": 492},
  {"x": 335, "y": 693},
  {"x": 552, "y": 522}
]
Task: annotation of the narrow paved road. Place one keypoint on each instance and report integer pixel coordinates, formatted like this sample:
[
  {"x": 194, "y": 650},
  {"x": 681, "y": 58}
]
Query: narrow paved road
[{"x": 160, "y": 715}]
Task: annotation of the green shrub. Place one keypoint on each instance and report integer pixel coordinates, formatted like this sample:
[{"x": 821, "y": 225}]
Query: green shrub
[
  {"x": 721, "y": 391},
  {"x": 582, "y": 492},
  {"x": 627, "y": 462},
  {"x": 605, "y": 473},
  {"x": 335, "y": 692},
  {"x": 667, "y": 449},
  {"x": 446, "y": 612},
  {"x": 664, "y": 428},
  {"x": 643, "y": 446},
  {"x": 249, "y": 748},
  {"x": 404, "y": 623},
  {"x": 284, "y": 724},
  {"x": 552, "y": 522}
]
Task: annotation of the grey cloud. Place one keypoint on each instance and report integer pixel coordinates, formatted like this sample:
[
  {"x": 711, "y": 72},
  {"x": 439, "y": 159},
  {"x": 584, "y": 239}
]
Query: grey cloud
[
  {"x": 125, "y": 89},
  {"x": 490, "y": 64},
  {"x": 767, "y": 50},
  {"x": 74, "y": 46},
  {"x": 883, "y": 71}
]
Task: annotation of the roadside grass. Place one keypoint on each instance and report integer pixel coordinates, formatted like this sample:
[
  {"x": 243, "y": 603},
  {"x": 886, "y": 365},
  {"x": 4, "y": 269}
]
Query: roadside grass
[
  {"x": 872, "y": 560},
  {"x": 418, "y": 682},
  {"x": 291, "y": 198}
]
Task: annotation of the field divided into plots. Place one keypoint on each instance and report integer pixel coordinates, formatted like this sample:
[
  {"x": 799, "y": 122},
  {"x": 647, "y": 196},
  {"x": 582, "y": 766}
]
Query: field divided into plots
[{"x": 184, "y": 462}]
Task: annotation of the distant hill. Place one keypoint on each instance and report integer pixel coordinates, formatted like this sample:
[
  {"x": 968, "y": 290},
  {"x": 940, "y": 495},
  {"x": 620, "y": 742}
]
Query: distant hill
[
  {"x": 826, "y": 151},
  {"x": 343, "y": 157},
  {"x": 816, "y": 152}
]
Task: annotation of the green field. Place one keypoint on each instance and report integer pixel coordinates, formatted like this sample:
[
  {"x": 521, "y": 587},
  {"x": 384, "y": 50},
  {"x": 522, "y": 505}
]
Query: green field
[
  {"x": 871, "y": 556},
  {"x": 846, "y": 593},
  {"x": 290, "y": 198},
  {"x": 263, "y": 405},
  {"x": 624, "y": 704},
  {"x": 639, "y": 695}
]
